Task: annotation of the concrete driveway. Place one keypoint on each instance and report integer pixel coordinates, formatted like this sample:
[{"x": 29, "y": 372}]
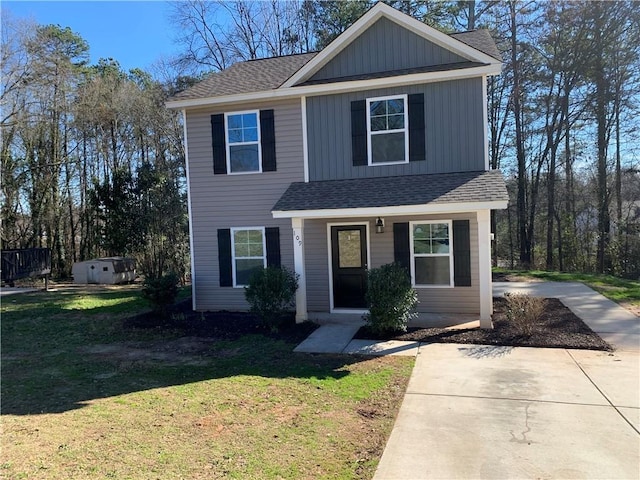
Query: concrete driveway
[{"x": 474, "y": 411}]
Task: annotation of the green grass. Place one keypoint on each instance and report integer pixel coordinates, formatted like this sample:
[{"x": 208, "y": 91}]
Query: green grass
[
  {"x": 84, "y": 397},
  {"x": 617, "y": 289}
]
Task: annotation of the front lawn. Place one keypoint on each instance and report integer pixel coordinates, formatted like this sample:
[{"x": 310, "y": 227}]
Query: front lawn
[{"x": 83, "y": 396}]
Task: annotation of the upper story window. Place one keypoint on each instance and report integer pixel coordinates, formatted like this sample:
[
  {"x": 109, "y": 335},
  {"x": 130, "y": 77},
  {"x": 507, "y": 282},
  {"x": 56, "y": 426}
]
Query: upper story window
[
  {"x": 243, "y": 143},
  {"x": 387, "y": 132}
]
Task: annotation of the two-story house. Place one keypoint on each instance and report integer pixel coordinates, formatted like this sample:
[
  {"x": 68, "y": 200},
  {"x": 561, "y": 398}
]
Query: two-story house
[{"x": 370, "y": 151}]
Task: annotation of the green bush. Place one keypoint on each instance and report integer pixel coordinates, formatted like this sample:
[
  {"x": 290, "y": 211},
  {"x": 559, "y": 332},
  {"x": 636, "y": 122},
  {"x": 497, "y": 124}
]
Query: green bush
[
  {"x": 271, "y": 293},
  {"x": 161, "y": 292},
  {"x": 391, "y": 299}
]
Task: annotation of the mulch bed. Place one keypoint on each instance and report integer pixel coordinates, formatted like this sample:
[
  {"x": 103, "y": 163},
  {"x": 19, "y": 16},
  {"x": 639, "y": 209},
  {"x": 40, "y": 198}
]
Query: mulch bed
[
  {"x": 558, "y": 327},
  {"x": 221, "y": 325}
]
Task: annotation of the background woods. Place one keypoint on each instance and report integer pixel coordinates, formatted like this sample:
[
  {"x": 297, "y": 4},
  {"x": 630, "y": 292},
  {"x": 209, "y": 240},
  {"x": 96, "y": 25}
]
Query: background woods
[{"x": 93, "y": 163}]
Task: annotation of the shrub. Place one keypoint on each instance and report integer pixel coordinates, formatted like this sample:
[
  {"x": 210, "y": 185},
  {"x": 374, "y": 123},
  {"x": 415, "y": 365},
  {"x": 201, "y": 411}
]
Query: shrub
[
  {"x": 523, "y": 311},
  {"x": 391, "y": 299},
  {"x": 271, "y": 293},
  {"x": 161, "y": 292}
]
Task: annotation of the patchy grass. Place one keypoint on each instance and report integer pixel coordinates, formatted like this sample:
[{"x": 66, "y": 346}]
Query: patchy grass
[
  {"x": 620, "y": 290},
  {"x": 84, "y": 397}
]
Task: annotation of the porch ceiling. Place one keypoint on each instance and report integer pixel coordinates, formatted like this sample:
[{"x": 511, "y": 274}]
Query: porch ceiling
[{"x": 447, "y": 192}]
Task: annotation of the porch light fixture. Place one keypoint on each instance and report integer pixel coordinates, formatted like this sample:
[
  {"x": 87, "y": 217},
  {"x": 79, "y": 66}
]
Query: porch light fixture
[{"x": 380, "y": 225}]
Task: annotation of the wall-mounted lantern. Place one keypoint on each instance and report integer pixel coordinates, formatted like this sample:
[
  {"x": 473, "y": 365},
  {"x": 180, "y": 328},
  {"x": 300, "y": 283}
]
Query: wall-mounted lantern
[{"x": 380, "y": 225}]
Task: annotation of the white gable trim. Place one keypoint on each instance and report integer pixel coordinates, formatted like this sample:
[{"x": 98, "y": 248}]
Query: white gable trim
[
  {"x": 378, "y": 11},
  {"x": 429, "y": 208},
  {"x": 340, "y": 87}
]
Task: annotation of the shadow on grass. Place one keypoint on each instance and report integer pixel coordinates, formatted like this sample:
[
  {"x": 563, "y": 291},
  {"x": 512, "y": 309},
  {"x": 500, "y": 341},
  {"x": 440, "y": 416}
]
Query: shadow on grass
[{"x": 55, "y": 360}]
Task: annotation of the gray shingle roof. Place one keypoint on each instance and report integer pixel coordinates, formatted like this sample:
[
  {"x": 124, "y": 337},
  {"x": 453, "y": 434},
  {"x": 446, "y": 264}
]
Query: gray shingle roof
[
  {"x": 269, "y": 73},
  {"x": 480, "y": 40},
  {"x": 246, "y": 77},
  {"x": 443, "y": 188}
]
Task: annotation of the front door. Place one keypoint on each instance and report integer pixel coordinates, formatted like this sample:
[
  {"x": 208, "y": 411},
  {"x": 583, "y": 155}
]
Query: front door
[{"x": 349, "y": 266}]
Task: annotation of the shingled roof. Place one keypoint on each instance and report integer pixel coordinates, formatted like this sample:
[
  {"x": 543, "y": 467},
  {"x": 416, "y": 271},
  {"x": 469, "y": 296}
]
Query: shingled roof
[
  {"x": 270, "y": 73},
  {"x": 480, "y": 40},
  {"x": 249, "y": 76},
  {"x": 464, "y": 187}
]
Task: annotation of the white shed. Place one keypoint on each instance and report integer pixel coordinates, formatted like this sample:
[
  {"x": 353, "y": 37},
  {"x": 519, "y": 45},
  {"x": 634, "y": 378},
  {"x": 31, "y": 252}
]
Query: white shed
[{"x": 109, "y": 271}]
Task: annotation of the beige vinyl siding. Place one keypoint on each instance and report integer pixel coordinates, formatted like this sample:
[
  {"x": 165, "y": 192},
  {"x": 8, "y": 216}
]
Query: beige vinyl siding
[
  {"x": 225, "y": 201},
  {"x": 432, "y": 300}
]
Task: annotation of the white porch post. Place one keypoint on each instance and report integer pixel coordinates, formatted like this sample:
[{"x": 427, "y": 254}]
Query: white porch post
[
  {"x": 298, "y": 261},
  {"x": 484, "y": 267}
]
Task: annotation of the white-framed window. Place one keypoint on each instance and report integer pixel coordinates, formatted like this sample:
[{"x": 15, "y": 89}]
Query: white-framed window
[
  {"x": 243, "y": 142},
  {"x": 387, "y": 130},
  {"x": 248, "y": 253},
  {"x": 431, "y": 253}
]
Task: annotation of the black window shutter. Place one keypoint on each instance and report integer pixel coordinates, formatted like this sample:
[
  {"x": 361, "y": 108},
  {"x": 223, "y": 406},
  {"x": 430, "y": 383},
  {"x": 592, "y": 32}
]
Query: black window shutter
[
  {"x": 417, "y": 132},
  {"x": 272, "y": 239},
  {"x": 224, "y": 257},
  {"x": 461, "y": 254},
  {"x": 359, "y": 133},
  {"x": 401, "y": 251},
  {"x": 218, "y": 143},
  {"x": 268, "y": 140}
]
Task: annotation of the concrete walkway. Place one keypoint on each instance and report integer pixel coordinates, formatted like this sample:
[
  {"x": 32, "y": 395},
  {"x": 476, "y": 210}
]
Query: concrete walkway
[
  {"x": 486, "y": 412},
  {"x": 4, "y": 291}
]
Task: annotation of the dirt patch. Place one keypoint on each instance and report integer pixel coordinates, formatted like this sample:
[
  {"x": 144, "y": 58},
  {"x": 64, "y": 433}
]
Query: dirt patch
[
  {"x": 557, "y": 327},
  {"x": 182, "y": 351},
  {"x": 510, "y": 277},
  {"x": 632, "y": 307}
]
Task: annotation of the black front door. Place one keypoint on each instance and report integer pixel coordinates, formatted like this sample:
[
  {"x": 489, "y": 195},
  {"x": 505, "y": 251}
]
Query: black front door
[{"x": 349, "y": 265}]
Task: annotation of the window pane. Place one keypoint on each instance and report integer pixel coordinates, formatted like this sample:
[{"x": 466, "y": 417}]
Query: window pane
[
  {"x": 387, "y": 148},
  {"x": 256, "y": 250},
  {"x": 234, "y": 121},
  {"x": 349, "y": 249},
  {"x": 421, "y": 246},
  {"x": 421, "y": 231},
  {"x": 396, "y": 122},
  {"x": 440, "y": 245},
  {"x": 378, "y": 123},
  {"x": 378, "y": 108},
  {"x": 244, "y": 269},
  {"x": 395, "y": 106},
  {"x": 432, "y": 271},
  {"x": 244, "y": 158},
  {"x": 249, "y": 120},
  {"x": 250, "y": 135},
  {"x": 235, "y": 136},
  {"x": 440, "y": 230},
  {"x": 254, "y": 236}
]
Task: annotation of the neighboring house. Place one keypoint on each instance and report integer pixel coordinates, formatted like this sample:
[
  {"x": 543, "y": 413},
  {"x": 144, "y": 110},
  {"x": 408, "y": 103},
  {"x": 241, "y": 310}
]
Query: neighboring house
[{"x": 301, "y": 160}]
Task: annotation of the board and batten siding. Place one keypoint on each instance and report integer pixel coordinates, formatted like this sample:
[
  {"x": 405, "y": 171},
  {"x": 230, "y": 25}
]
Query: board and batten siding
[
  {"x": 453, "y": 128},
  {"x": 385, "y": 47},
  {"x": 225, "y": 201},
  {"x": 432, "y": 300}
]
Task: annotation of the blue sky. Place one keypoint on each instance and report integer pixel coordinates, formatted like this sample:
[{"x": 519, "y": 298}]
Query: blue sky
[{"x": 134, "y": 33}]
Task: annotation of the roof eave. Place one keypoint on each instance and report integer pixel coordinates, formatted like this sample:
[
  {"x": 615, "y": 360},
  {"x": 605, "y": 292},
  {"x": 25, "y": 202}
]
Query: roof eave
[
  {"x": 339, "y": 87},
  {"x": 431, "y": 208}
]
